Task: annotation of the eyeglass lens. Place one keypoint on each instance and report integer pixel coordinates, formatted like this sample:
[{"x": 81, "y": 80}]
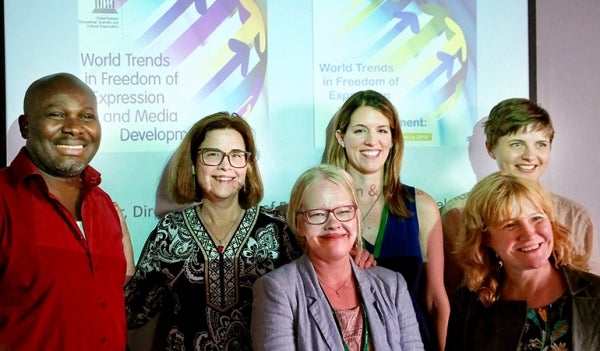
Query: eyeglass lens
[
  {"x": 214, "y": 157},
  {"x": 319, "y": 216}
]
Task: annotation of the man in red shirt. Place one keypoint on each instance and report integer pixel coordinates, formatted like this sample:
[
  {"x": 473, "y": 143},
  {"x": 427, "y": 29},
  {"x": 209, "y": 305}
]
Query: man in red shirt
[{"x": 64, "y": 249}]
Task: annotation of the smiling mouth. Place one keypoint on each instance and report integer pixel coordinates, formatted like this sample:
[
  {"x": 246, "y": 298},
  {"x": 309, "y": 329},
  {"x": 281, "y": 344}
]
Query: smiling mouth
[
  {"x": 527, "y": 167},
  {"x": 333, "y": 235},
  {"x": 370, "y": 153},
  {"x": 70, "y": 150},
  {"x": 530, "y": 248},
  {"x": 224, "y": 179},
  {"x": 72, "y": 147}
]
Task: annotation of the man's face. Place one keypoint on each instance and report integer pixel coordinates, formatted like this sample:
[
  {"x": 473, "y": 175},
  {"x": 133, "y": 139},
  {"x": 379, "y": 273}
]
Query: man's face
[{"x": 62, "y": 128}]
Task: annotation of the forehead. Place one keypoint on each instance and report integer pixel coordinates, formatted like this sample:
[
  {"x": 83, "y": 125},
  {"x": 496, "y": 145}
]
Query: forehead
[
  {"x": 325, "y": 194},
  {"x": 529, "y": 133},
  {"x": 224, "y": 139},
  {"x": 513, "y": 209},
  {"x": 61, "y": 95},
  {"x": 57, "y": 85},
  {"x": 368, "y": 115}
]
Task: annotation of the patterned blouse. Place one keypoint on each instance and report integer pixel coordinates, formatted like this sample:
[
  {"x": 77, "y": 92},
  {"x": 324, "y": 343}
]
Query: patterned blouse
[
  {"x": 205, "y": 297},
  {"x": 547, "y": 328}
]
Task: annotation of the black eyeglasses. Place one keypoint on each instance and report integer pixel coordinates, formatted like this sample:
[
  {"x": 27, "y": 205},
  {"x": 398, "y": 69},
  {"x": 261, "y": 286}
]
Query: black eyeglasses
[
  {"x": 320, "y": 215},
  {"x": 214, "y": 157}
]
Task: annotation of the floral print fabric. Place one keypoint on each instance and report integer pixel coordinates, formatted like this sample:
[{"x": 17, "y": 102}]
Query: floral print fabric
[{"x": 547, "y": 328}]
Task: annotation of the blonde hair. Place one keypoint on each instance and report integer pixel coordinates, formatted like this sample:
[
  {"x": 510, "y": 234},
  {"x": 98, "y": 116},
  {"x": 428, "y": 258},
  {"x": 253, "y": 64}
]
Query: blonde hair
[
  {"x": 490, "y": 201},
  {"x": 330, "y": 173}
]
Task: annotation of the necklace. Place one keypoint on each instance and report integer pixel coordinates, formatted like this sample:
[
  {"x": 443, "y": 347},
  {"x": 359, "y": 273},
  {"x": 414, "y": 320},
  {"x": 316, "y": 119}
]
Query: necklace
[
  {"x": 220, "y": 247},
  {"x": 372, "y": 205},
  {"x": 336, "y": 291}
]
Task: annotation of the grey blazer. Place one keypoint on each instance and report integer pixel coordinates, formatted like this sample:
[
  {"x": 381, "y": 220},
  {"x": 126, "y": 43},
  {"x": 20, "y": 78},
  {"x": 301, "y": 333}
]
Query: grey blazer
[{"x": 290, "y": 310}]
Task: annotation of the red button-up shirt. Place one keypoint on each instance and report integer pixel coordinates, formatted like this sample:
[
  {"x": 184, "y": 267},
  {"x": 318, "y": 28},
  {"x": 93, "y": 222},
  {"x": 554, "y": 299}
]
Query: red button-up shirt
[{"x": 59, "y": 290}]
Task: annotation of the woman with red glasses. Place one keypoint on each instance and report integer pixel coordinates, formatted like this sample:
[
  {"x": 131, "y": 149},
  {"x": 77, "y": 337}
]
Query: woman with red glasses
[{"x": 323, "y": 301}]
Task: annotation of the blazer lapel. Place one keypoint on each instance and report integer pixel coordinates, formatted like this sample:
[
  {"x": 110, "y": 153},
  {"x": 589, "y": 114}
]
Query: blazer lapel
[
  {"x": 318, "y": 306},
  {"x": 373, "y": 308}
]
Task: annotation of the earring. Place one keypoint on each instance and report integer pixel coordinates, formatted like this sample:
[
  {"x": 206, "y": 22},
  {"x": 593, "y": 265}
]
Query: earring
[
  {"x": 500, "y": 264},
  {"x": 193, "y": 170}
]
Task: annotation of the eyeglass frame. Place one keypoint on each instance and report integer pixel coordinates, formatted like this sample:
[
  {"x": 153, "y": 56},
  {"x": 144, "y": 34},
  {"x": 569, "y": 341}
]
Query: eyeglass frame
[
  {"x": 223, "y": 155},
  {"x": 329, "y": 212}
]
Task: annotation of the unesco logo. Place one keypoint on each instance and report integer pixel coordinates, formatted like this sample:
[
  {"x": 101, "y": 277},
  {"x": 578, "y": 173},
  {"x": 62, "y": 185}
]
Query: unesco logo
[{"x": 104, "y": 6}]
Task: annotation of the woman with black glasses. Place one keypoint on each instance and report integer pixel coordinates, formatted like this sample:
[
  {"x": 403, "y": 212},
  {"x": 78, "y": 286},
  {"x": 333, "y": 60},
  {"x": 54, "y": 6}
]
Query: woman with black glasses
[
  {"x": 194, "y": 277},
  {"x": 323, "y": 301}
]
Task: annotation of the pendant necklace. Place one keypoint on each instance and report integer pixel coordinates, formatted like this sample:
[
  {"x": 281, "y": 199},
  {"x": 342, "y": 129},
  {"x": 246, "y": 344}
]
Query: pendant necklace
[
  {"x": 336, "y": 291},
  {"x": 221, "y": 247}
]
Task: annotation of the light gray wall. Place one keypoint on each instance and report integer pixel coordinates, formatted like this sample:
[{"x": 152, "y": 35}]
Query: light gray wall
[{"x": 568, "y": 78}]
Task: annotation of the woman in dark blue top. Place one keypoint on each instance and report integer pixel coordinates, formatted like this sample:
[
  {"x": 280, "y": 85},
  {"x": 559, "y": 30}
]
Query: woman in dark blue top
[{"x": 401, "y": 224}]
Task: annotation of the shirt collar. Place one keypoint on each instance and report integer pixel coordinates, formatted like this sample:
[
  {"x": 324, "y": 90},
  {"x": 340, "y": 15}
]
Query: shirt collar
[{"x": 22, "y": 167}]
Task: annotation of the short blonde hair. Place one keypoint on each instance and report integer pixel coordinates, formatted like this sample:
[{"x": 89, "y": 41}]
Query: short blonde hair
[{"x": 330, "y": 173}]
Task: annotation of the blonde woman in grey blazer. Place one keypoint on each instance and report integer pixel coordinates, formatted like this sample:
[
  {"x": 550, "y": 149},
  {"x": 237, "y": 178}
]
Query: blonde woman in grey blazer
[{"x": 322, "y": 301}]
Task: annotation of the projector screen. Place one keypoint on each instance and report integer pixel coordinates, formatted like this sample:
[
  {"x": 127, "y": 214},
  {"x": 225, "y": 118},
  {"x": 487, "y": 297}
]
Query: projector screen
[{"x": 286, "y": 66}]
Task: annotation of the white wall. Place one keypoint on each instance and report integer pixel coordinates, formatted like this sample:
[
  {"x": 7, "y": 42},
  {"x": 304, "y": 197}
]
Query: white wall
[{"x": 568, "y": 78}]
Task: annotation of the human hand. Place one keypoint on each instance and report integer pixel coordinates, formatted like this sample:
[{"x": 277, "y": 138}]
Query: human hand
[{"x": 363, "y": 258}]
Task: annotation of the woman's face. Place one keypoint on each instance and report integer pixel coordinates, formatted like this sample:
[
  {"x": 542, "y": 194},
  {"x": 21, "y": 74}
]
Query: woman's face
[
  {"x": 367, "y": 141},
  {"x": 524, "y": 154},
  {"x": 222, "y": 181},
  {"x": 333, "y": 239},
  {"x": 523, "y": 242}
]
